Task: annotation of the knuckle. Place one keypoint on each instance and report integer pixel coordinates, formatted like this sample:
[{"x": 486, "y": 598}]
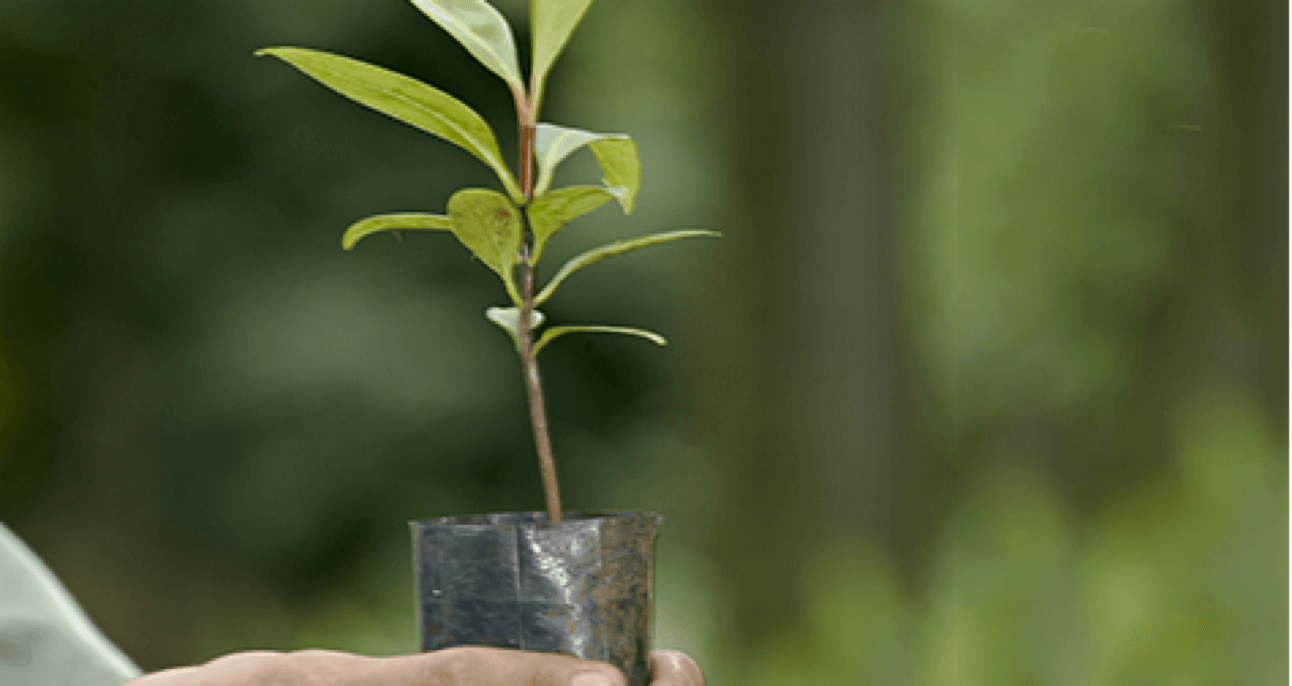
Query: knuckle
[
  {"x": 450, "y": 667},
  {"x": 600, "y": 673}
]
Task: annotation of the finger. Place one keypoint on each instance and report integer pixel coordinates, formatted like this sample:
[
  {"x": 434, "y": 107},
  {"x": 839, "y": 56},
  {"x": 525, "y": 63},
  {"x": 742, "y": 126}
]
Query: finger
[
  {"x": 475, "y": 666},
  {"x": 479, "y": 666},
  {"x": 674, "y": 668}
]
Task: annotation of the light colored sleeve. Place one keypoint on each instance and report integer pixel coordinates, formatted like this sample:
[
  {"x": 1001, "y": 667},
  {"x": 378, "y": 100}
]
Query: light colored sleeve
[{"x": 45, "y": 637}]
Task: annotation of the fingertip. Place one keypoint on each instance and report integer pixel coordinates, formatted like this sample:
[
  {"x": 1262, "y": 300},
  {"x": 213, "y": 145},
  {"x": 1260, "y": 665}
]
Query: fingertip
[{"x": 675, "y": 667}]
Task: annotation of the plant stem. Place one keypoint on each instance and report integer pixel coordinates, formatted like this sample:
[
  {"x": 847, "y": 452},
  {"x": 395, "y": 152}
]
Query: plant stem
[
  {"x": 534, "y": 386},
  {"x": 528, "y": 360}
]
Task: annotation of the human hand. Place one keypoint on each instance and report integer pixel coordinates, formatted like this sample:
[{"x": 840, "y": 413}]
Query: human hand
[{"x": 468, "y": 666}]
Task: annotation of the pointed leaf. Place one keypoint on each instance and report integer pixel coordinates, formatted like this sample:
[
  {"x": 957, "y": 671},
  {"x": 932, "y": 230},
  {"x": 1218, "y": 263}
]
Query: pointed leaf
[
  {"x": 616, "y": 153},
  {"x": 552, "y": 144},
  {"x": 490, "y": 226},
  {"x": 552, "y": 23},
  {"x": 405, "y": 99},
  {"x": 613, "y": 249},
  {"x": 508, "y": 319},
  {"x": 622, "y": 168},
  {"x": 556, "y": 331},
  {"x": 393, "y": 222},
  {"x": 482, "y": 30},
  {"x": 549, "y": 212}
]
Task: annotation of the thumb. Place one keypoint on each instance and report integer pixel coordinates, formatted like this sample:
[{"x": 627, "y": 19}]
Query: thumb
[{"x": 674, "y": 668}]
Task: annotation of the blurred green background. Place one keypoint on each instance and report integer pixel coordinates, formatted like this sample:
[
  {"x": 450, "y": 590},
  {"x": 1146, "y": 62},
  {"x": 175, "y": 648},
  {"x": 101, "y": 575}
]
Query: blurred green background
[{"x": 986, "y": 384}]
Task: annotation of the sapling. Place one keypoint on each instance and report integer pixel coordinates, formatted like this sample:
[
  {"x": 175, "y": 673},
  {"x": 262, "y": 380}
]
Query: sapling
[{"x": 507, "y": 231}]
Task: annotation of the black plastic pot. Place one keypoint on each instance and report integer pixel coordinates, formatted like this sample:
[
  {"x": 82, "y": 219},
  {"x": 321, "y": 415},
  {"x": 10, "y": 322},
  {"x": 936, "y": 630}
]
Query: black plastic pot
[{"x": 582, "y": 586}]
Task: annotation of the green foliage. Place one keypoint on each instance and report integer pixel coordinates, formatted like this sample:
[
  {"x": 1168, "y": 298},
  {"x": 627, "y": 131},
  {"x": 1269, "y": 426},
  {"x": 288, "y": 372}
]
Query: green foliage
[
  {"x": 405, "y": 99},
  {"x": 488, "y": 223},
  {"x": 227, "y": 353},
  {"x": 549, "y": 212},
  {"x": 393, "y": 222},
  {"x": 482, "y": 31},
  {"x": 556, "y": 331},
  {"x": 1181, "y": 581},
  {"x": 623, "y": 173},
  {"x": 490, "y": 226},
  {"x": 616, "y": 153},
  {"x": 552, "y": 22},
  {"x": 617, "y": 248}
]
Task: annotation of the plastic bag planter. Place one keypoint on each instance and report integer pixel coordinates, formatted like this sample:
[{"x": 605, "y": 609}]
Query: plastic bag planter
[{"x": 582, "y": 586}]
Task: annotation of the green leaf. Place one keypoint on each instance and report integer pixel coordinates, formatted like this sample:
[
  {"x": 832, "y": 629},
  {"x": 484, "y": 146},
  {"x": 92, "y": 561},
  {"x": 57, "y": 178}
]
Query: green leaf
[
  {"x": 490, "y": 226},
  {"x": 616, "y": 153},
  {"x": 405, "y": 99},
  {"x": 613, "y": 249},
  {"x": 552, "y": 22},
  {"x": 393, "y": 222},
  {"x": 508, "y": 319},
  {"x": 549, "y": 212},
  {"x": 552, "y": 144},
  {"x": 482, "y": 31},
  {"x": 622, "y": 168},
  {"x": 556, "y": 331}
]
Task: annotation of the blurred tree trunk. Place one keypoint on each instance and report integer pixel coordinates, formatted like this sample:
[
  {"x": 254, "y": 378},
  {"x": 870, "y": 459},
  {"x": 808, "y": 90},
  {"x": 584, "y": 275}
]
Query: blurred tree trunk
[
  {"x": 1249, "y": 178},
  {"x": 1227, "y": 326},
  {"x": 805, "y": 381}
]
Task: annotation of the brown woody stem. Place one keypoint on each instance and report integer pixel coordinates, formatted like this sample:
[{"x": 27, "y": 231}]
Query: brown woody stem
[{"x": 525, "y": 332}]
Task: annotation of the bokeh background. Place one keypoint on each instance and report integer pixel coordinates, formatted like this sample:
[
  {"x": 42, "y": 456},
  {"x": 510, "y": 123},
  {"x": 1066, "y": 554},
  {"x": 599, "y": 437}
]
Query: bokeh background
[{"x": 986, "y": 383}]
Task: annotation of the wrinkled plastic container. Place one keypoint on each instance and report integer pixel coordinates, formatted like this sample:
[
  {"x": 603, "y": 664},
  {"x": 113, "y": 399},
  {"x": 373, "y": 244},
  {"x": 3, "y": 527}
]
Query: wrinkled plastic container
[{"x": 582, "y": 586}]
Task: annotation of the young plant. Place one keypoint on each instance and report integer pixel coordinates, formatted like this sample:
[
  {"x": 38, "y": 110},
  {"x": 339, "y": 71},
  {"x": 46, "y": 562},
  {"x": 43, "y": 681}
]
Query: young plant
[{"x": 506, "y": 232}]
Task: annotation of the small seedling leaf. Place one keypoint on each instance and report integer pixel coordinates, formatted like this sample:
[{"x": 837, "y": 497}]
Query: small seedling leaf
[
  {"x": 552, "y": 144},
  {"x": 508, "y": 319},
  {"x": 552, "y": 23},
  {"x": 617, "y": 248},
  {"x": 622, "y": 168},
  {"x": 556, "y": 331},
  {"x": 490, "y": 226},
  {"x": 616, "y": 153},
  {"x": 482, "y": 30},
  {"x": 405, "y": 99},
  {"x": 394, "y": 222},
  {"x": 549, "y": 212}
]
